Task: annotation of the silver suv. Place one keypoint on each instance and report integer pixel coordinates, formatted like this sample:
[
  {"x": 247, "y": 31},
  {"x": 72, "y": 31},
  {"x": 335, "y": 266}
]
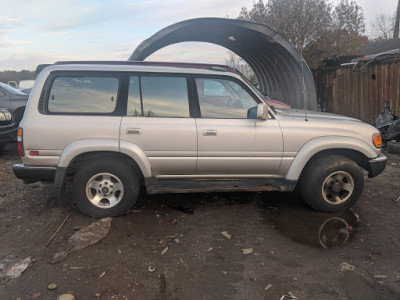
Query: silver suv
[{"x": 116, "y": 127}]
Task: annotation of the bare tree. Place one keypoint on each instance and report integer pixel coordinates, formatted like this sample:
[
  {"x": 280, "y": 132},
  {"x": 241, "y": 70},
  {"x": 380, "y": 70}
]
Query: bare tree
[
  {"x": 314, "y": 27},
  {"x": 233, "y": 60},
  {"x": 383, "y": 26}
]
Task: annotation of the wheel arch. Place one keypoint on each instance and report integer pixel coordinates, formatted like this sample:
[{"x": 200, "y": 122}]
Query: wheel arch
[
  {"x": 108, "y": 155},
  {"x": 79, "y": 152},
  {"x": 351, "y": 148}
]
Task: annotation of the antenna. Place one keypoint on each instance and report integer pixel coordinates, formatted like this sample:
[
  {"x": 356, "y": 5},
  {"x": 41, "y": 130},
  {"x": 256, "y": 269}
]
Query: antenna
[{"x": 304, "y": 88}]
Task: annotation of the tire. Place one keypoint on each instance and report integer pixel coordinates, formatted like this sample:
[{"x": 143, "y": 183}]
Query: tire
[
  {"x": 393, "y": 147},
  {"x": 106, "y": 187},
  {"x": 331, "y": 183}
]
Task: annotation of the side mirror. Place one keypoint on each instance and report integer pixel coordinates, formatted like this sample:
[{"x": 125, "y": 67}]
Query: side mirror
[{"x": 262, "y": 111}]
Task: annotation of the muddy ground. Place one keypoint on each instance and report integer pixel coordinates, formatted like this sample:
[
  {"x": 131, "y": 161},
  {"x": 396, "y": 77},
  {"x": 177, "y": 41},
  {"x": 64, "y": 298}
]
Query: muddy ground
[{"x": 294, "y": 250}]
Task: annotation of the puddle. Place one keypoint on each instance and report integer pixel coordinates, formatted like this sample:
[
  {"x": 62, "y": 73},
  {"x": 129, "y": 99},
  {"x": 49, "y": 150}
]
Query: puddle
[{"x": 305, "y": 226}]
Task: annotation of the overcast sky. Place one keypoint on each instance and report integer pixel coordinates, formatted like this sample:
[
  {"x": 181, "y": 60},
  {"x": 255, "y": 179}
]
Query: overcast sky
[{"x": 33, "y": 32}]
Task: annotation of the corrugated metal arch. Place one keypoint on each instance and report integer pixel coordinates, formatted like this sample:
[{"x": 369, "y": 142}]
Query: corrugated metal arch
[{"x": 280, "y": 70}]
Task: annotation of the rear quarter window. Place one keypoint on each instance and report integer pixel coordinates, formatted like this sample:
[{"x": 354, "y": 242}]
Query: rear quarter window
[{"x": 83, "y": 94}]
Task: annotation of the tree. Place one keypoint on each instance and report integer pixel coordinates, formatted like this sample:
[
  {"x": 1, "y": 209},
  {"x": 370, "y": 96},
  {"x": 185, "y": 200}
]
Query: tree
[
  {"x": 17, "y": 76},
  {"x": 314, "y": 27},
  {"x": 233, "y": 60},
  {"x": 383, "y": 26}
]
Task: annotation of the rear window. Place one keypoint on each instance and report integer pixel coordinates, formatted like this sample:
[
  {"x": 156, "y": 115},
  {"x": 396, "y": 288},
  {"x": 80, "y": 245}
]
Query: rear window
[{"x": 84, "y": 94}]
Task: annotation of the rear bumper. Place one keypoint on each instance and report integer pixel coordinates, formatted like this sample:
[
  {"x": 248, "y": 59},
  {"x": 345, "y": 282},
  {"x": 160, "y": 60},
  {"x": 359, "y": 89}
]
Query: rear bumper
[
  {"x": 33, "y": 174},
  {"x": 377, "y": 165}
]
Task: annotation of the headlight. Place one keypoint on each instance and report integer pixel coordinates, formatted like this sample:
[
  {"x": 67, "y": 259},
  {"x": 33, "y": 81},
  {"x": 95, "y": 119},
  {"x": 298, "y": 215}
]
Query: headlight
[
  {"x": 5, "y": 115},
  {"x": 8, "y": 116}
]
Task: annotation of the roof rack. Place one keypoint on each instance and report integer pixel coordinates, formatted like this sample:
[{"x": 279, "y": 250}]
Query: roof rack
[{"x": 213, "y": 67}]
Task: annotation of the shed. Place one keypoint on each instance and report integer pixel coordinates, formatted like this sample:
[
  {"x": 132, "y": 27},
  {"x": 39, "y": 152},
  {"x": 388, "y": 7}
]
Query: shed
[{"x": 280, "y": 70}]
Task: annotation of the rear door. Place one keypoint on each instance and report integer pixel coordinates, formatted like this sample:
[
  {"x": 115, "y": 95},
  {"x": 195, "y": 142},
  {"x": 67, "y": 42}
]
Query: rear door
[
  {"x": 158, "y": 121},
  {"x": 231, "y": 141}
]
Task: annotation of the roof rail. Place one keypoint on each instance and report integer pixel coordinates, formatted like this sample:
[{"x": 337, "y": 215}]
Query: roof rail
[{"x": 205, "y": 66}]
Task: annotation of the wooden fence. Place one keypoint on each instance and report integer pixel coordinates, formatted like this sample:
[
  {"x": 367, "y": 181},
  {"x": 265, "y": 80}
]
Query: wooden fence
[{"x": 359, "y": 92}]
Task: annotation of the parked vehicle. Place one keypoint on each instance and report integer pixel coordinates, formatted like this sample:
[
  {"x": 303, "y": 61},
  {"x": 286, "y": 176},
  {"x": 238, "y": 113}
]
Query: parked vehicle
[
  {"x": 25, "y": 86},
  {"x": 8, "y": 130},
  {"x": 114, "y": 128},
  {"x": 13, "y": 100}
]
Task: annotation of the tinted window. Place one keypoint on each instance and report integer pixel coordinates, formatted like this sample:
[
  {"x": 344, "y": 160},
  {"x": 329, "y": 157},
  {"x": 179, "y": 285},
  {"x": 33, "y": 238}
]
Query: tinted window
[
  {"x": 83, "y": 95},
  {"x": 164, "y": 96},
  {"x": 220, "y": 98}
]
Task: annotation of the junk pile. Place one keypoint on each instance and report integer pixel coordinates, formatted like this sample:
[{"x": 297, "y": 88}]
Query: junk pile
[{"x": 389, "y": 126}]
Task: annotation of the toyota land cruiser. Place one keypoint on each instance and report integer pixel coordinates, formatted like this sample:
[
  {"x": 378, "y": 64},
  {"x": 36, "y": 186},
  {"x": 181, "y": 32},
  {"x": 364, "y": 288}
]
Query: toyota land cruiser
[{"x": 116, "y": 127}]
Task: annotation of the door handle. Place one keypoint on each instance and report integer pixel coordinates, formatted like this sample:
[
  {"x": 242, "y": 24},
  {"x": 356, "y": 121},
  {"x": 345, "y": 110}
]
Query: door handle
[
  {"x": 133, "y": 131},
  {"x": 209, "y": 132}
]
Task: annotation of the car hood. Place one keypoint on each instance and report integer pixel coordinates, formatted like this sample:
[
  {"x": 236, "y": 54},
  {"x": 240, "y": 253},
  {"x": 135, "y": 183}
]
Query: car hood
[
  {"x": 14, "y": 96},
  {"x": 312, "y": 115}
]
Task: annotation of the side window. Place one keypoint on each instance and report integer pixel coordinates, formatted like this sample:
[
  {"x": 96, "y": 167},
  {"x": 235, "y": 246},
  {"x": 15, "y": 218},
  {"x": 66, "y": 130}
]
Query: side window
[
  {"x": 224, "y": 99},
  {"x": 78, "y": 94},
  {"x": 162, "y": 96}
]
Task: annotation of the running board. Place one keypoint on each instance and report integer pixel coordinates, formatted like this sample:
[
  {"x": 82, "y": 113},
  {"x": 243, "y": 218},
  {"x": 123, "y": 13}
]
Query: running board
[{"x": 217, "y": 185}]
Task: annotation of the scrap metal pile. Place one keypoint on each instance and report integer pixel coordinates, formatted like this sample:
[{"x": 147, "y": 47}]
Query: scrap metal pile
[{"x": 389, "y": 126}]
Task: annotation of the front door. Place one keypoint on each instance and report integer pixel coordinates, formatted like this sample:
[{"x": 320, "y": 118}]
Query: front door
[{"x": 231, "y": 141}]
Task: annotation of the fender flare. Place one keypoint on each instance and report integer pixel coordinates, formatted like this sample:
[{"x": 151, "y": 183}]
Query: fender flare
[
  {"x": 137, "y": 154},
  {"x": 319, "y": 144},
  {"x": 83, "y": 146}
]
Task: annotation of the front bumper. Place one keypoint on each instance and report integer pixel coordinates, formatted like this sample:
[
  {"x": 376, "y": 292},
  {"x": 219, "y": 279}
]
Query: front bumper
[
  {"x": 33, "y": 174},
  {"x": 376, "y": 165}
]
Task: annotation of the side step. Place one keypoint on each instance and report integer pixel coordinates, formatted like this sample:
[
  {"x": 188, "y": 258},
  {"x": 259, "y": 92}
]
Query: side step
[{"x": 216, "y": 185}]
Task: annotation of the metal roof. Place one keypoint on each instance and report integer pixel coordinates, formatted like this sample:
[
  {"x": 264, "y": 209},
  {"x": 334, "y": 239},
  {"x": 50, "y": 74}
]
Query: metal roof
[
  {"x": 281, "y": 72},
  {"x": 378, "y": 47}
]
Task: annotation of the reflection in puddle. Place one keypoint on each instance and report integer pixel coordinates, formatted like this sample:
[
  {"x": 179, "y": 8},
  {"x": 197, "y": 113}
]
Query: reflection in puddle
[{"x": 313, "y": 228}]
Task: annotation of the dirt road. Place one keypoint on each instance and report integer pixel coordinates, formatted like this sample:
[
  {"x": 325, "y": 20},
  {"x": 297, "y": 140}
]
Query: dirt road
[{"x": 161, "y": 251}]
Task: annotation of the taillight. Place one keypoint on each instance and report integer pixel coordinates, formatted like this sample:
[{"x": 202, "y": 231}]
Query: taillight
[{"x": 20, "y": 144}]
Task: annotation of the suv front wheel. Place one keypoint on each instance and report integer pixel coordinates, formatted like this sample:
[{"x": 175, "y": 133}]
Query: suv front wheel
[
  {"x": 106, "y": 188},
  {"x": 331, "y": 183}
]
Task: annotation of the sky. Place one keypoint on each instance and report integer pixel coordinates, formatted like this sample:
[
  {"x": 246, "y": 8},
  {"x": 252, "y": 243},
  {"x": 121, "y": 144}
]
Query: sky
[{"x": 35, "y": 32}]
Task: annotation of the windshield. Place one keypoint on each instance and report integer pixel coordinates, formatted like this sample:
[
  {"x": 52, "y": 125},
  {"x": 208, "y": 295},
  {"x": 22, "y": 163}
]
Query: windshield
[{"x": 11, "y": 90}]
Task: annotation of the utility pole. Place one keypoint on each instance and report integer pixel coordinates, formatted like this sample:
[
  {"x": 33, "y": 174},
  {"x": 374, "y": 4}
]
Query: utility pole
[{"x": 396, "y": 23}]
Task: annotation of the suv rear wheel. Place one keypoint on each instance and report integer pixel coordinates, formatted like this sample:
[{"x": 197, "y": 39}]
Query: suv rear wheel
[
  {"x": 106, "y": 188},
  {"x": 331, "y": 183}
]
